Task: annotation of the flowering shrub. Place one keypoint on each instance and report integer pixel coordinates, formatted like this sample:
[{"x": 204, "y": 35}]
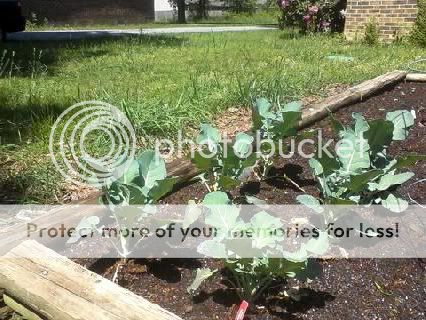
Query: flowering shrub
[{"x": 313, "y": 15}]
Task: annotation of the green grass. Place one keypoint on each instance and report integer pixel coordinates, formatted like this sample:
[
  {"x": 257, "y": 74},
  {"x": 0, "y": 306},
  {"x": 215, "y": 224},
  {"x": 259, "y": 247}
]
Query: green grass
[{"x": 163, "y": 83}]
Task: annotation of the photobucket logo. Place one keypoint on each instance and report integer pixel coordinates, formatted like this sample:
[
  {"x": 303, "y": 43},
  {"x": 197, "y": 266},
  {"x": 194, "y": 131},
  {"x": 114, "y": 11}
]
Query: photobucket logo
[
  {"x": 315, "y": 146},
  {"x": 71, "y": 143}
]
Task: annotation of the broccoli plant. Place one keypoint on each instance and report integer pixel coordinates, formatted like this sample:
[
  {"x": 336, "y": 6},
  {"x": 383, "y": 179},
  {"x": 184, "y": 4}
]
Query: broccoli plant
[
  {"x": 223, "y": 163},
  {"x": 361, "y": 171},
  {"x": 144, "y": 183},
  {"x": 251, "y": 276},
  {"x": 271, "y": 126}
]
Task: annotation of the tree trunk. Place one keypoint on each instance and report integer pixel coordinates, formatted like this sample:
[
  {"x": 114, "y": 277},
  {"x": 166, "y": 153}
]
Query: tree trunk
[
  {"x": 202, "y": 9},
  {"x": 181, "y": 11}
]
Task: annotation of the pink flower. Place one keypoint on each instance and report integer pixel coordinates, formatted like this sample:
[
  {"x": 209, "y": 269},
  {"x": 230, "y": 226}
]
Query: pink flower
[
  {"x": 324, "y": 26},
  {"x": 306, "y": 18},
  {"x": 283, "y": 3},
  {"x": 312, "y": 10}
]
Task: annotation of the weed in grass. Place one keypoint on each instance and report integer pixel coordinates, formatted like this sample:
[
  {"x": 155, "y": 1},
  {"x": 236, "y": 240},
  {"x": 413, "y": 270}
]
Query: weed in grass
[{"x": 372, "y": 34}]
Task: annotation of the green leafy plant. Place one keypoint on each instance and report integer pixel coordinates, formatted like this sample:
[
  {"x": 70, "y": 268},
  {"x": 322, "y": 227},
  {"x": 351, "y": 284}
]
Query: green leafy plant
[
  {"x": 361, "y": 170},
  {"x": 371, "y": 34},
  {"x": 224, "y": 164},
  {"x": 251, "y": 276},
  {"x": 33, "y": 22},
  {"x": 274, "y": 124},
  {"x": 143, "y": 183},
  {"x": 418, "y": 34}
]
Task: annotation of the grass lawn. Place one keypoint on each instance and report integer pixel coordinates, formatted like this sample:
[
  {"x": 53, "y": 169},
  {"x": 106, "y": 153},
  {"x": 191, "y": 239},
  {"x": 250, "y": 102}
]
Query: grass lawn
[{"x": 164, "y": 83}]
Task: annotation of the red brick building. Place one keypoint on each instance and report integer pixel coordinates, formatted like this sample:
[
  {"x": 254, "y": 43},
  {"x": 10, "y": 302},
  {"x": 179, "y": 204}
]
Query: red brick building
[
  {"x": 90, "y": 11},
  {"x": 393, "y": 17}
]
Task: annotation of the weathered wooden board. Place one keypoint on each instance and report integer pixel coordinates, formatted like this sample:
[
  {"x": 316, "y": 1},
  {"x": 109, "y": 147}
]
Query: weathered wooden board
[
  {"x": 182, "y": 168},
  {"x": 352, "y": 95},
  {"x": 418, "y": 77},
  {"x": 56, "y": 288}
]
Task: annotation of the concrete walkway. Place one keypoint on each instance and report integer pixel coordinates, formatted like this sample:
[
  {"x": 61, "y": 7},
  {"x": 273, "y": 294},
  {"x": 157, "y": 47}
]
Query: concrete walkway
[{"x": 92, "y": 34}]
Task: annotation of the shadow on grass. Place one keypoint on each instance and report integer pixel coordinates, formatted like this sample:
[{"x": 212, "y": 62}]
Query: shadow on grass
[
  {"x": 34, "y": 57},
  {"x": 29, "y": 121},
  {"x": 11, "y": 193},
  {"x": 39, "y": 185},
  {"x": 291, "y": 34},
  {"x": 27, "y": 59}
]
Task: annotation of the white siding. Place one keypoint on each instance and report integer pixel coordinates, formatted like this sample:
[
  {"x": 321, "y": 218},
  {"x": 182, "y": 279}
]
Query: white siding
[{"x": 162, "y": 5}]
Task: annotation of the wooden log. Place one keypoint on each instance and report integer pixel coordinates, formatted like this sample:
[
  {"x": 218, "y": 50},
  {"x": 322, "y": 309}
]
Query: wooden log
[
  {"x": 418, "y": 77},
  {"x": 56, "y": 288},
  {"x": 355, "y": 94},
  {"x": 182, "y": 168}
]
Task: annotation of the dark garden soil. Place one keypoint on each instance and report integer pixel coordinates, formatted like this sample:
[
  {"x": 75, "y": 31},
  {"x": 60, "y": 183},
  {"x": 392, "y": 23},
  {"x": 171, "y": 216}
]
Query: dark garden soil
[{"x": 345, "y": 289}]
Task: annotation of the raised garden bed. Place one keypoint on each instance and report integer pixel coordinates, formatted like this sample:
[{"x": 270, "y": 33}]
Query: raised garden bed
[
  {"x": 347, "y": 289},
  {"x": 353, "y": 289}
]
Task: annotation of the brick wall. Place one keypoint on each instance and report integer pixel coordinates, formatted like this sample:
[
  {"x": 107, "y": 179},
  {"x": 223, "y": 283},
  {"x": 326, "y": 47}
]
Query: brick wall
[
  {"x": 394, "y": 17},
  {"x": 90, "y": 11}
]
